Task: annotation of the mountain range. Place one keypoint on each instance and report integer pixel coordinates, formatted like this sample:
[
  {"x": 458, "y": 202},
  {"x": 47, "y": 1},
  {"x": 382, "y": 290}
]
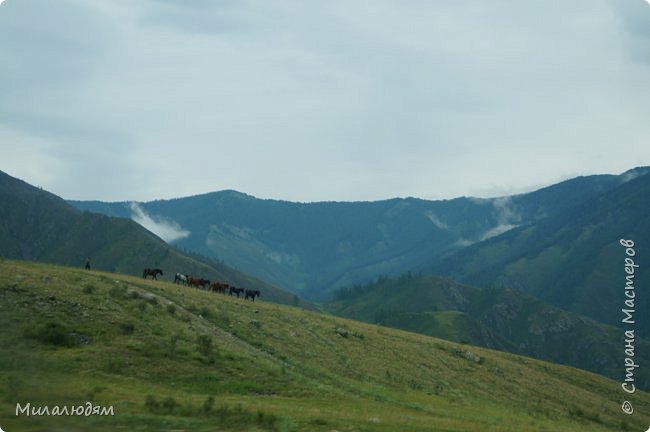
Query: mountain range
[{"x": 316, "y": 248}]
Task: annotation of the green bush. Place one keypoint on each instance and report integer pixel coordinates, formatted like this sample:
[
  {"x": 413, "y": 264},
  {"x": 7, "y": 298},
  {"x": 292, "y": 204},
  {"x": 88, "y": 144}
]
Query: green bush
[
  {"x": 173, "y": 343},
  {"x": 127, "y": 328},
  {"x": 53, "y": 333},
  {"x": 205, "y": 312},
  {"x": 204, "y": 343},
  {"x": 224, "y": 415},
  {"x": 208, "y": 405},
  {"x": 151, "y": 404},
  {"x": 168, "y": 405}
]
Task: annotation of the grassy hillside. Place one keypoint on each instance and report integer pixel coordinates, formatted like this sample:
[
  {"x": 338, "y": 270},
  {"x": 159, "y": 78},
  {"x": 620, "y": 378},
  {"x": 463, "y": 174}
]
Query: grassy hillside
[
  {"x": 37, "y": 225},
  {"x": 173, "y": 358},
  {"x": 503, "y": 319},
  {"x": 315, "y": 248}
]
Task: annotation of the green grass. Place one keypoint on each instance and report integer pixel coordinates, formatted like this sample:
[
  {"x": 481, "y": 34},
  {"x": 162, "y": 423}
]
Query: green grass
[
  {"x": 218, "y": 363},
  {"x": 501, "y": 318}
]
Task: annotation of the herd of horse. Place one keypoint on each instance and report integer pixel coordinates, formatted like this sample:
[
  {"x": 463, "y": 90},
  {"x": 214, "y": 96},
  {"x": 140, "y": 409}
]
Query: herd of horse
[{"x": 216, "y": 287}]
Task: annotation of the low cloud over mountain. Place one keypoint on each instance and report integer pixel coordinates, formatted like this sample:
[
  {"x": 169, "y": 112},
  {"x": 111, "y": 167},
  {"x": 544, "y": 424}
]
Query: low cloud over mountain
[{"x": 163, "y": 227}]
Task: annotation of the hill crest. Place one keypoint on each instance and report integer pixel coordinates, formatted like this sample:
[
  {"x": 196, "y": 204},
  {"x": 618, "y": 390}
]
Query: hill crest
[{"x": 166, "y": 356}]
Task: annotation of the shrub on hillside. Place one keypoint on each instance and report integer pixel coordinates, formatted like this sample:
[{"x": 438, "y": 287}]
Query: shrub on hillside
[
  {"x": 204, "y": 343},
  {"x": 127, "y": 328},
  {"x": 53, "y": 333}
]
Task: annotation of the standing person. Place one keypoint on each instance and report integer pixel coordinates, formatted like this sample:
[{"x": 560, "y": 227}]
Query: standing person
[{"x": 87, "y": 266}]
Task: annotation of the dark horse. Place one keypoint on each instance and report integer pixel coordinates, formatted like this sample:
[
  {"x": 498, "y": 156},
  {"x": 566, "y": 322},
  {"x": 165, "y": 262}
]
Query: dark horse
[
  {"x": 152, "y": 273},
  {"x": 250, "y": 294},
  {"x": 235, "y": 290}
]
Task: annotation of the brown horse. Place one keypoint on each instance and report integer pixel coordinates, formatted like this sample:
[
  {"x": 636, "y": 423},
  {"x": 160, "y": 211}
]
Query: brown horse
[
  {"x": 196, "y": 282},
  {"x": 151, "y": 272},
  {"x": 219, "y": 287}
]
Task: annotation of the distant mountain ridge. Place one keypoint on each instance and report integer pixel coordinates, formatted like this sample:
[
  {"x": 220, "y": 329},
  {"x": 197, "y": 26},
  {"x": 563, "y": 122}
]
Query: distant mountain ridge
[
  {"x": 315, "y": 248},
  {"x": 39, "y": 226},
  {"x": 572, "y": 259}
]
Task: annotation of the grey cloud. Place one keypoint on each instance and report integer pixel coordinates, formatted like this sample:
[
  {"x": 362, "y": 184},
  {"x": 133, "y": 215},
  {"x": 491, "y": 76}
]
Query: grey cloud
[
  {"x": 200, "y": 17},
  {"x": 633, "y": 16},
  {"x": 323, "y": 100},
  {"x": 50, "y": 54}
]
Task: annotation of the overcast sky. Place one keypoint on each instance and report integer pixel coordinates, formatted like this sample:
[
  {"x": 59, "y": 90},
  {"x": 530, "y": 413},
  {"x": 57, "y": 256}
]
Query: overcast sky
[{"x": 320, "y": 100}]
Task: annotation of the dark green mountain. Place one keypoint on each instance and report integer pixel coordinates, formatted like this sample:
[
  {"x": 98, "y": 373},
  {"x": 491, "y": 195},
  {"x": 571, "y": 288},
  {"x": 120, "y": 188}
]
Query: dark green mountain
[
  {"x": 573, "y": 259},
  {"x": 503, "y": 319},
  {"x": 315, "y": 248},
  {"x": 39, "y": 226}
]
